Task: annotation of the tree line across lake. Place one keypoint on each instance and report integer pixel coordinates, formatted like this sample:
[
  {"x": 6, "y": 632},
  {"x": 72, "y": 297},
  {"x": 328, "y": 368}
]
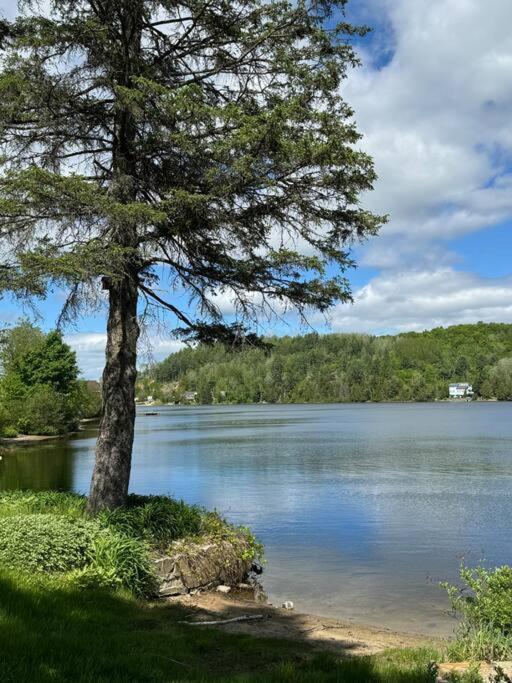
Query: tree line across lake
[{"x": 340, "y": 368}]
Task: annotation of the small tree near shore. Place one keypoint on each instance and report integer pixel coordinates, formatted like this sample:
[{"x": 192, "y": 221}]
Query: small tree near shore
[{"x": 167, "y": 148}]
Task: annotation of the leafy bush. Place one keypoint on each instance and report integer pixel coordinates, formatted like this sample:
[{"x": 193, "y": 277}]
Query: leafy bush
[
  {"x": 39, "y": 389},
  {"x": 45, "y": 542},
  {"x": 47, "y": 412},
  {"x": 485, "y": 605},
  {"x": 156, "y": 519},
  {"x": 89, "y": 398}
]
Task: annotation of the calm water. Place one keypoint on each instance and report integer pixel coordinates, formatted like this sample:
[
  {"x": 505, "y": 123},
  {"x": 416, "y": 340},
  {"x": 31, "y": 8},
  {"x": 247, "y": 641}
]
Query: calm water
[{"x": 363, "y": 509}]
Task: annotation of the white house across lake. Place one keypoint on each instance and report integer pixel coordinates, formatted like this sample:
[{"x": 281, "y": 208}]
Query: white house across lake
[{"x": 460, "y": 390}]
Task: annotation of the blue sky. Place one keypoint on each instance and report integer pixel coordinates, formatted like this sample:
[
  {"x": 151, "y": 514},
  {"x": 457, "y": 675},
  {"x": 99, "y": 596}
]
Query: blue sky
[{"x": 434, "y": 101}]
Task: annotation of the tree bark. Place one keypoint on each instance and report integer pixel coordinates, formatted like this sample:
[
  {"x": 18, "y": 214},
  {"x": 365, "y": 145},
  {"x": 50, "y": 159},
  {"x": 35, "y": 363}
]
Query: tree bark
[{"x": 111, "y": 476}]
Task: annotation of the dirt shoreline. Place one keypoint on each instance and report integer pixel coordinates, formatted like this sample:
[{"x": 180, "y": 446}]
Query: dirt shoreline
[
  {"x": 344, "y": 638},
  {"x": 31, "y": 438}
]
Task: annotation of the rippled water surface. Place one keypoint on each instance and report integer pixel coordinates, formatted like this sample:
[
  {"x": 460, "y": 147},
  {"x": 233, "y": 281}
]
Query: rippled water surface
[{"x": 363, "y": 509}]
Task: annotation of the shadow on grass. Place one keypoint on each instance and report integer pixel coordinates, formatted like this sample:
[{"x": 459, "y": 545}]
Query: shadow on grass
[{"x": 50, "y": 632}]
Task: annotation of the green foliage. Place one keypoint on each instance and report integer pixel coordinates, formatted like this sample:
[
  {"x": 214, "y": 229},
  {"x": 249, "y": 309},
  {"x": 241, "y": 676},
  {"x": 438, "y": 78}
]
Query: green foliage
[
  {"x": 90, "y": 399},
  {"x": 51, "y": 363},
  {"x": 9, "y": 432},
  {"x": 50, "y": 531},
  {"x": 477, "y": 643},
  {"x": 499, "y": 380},
  {"x": 46, "y": 412},
  {"x": 6, "y": 429},
  {"x": 122, "y": 561},
  {"x": 485, "y": 605},
  {"x": 43, "y": 502},
  {"x": 486, "y": 597},
  {"x": 156, "y": 519},
  {"x": 39, "y": 391},
  {"x": 191, "y": 159},
  {"x": 16, "y": 342},
  {"x": 45, "y": 542},
  {"x": 216, "y": 527},
  {"x": 342, "y": 367}
]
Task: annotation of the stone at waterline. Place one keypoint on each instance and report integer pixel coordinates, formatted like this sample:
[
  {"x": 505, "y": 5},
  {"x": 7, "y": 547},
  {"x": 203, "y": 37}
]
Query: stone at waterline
[
  {"x": 223, "y": 589},
  {"x": 202, "y": 565}
]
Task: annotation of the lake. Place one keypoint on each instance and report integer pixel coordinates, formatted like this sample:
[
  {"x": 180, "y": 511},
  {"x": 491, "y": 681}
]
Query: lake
[{"x": 363, "y": 509}]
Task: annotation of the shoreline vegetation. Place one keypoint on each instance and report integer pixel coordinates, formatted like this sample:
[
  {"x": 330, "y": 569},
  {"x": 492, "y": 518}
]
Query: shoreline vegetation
[
  {"x": 79, "y": 597},
  {"x": 339, "y": 368}
]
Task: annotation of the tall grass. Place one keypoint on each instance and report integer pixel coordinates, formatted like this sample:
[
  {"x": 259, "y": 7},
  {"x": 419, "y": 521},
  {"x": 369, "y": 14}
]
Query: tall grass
[
  {"x": 157, "y": 519},
  {"x": 123, "y": 561},
  {"x": 484, "y": 603},
  {"x": 45, "y": 502}
]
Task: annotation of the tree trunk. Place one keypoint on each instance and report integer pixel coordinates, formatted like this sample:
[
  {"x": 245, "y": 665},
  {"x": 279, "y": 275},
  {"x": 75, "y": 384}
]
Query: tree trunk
[{"x": 111, "y": 476}]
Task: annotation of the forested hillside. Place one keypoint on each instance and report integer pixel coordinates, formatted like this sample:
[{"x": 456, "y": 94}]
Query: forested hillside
[{"x": 342, "y": 367}]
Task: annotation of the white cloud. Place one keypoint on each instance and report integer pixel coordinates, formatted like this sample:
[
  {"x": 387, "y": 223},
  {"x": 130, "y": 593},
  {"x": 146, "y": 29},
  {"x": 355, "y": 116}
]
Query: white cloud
[
  {"x": 418, "y": 300},
  {"x": 436, "y": 118},
  {"x": 90, "y": 350}
]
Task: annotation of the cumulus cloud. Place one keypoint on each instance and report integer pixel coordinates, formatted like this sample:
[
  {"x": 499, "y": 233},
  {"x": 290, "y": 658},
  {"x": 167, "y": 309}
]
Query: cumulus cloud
[
  {"x": 434, "y": 102},
  {"x": 90, "y": 350},
  {"x": 436, "y": 117},
  {"x": 418, "y": 300}
]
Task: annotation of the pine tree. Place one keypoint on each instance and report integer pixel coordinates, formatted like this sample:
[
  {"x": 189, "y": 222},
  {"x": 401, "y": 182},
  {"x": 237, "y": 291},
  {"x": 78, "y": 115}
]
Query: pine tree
[{"x": 167, "y": 148}]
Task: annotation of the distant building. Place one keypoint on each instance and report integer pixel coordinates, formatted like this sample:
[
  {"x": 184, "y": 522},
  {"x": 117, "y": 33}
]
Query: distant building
[
  {"x": 189, "y": 395},
  {"x": 460, "y": 390}
]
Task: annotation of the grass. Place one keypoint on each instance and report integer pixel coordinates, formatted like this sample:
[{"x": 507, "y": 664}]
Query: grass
[
  {"x": 44, "y": 502},
  {"x": 70, "y": 618},
  {"x": 51, "y": 532},
  {"x": 50, "y": 631}
]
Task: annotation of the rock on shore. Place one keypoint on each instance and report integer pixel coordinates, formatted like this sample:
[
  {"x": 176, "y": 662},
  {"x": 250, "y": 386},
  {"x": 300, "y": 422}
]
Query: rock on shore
[{"x": 202, "y": 565}]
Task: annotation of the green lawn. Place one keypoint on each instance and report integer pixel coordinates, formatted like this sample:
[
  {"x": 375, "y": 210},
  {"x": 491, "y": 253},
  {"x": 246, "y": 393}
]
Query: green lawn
[{"x": 52, "y": 631}]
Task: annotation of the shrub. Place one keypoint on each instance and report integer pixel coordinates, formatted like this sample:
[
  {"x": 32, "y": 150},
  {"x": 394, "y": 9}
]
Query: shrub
[
  {"x": 46, "y": 412},
  {"x": 485, "y": 605},
  {"x": 45, "y": 542},
  {"x": 7, "y": 428},
  {"x": 477, "y": 643},
  {"x": 486, "y": 598},
  {"x": 156, "y": 519},
  {"x": 49, "y": 532},
  {"x": 89, "y": 398}
]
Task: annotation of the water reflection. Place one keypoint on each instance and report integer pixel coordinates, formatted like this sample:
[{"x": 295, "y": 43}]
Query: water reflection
[{"x": 363, "y": 508}]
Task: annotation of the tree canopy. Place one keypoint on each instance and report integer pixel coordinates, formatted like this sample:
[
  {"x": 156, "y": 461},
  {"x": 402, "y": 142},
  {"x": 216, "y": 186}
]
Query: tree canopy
[
  {"x": 39, "y": 388},
  {"x": 175, "y": 152},
  {"x": 342, "y": 367}
]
